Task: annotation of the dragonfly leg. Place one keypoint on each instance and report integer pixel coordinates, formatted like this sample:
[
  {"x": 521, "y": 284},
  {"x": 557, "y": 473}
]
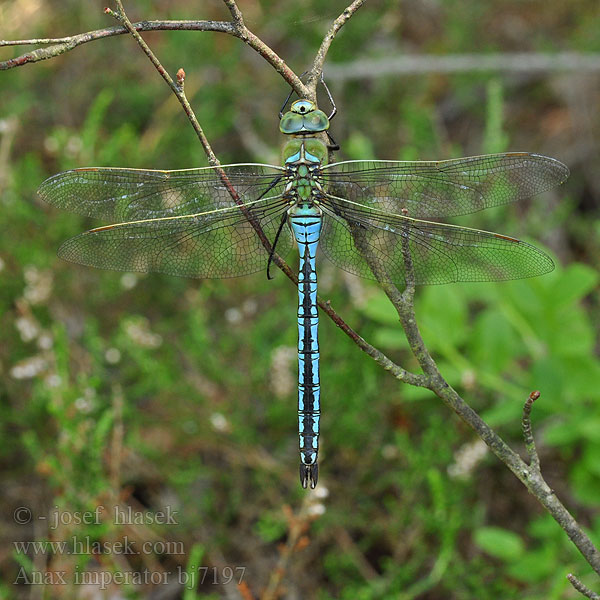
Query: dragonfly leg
[{"x": 333, "y": 106}]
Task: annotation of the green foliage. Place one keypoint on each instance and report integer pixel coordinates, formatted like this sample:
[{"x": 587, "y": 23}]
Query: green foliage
[{"x": 500, "y": 543}]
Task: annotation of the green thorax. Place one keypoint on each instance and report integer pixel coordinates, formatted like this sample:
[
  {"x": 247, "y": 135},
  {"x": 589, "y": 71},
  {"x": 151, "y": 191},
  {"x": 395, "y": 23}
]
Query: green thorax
[{"x": 304, "y": 151}]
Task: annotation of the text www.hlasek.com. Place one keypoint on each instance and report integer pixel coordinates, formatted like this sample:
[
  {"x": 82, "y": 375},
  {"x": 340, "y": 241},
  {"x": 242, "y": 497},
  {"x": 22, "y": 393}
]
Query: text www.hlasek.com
[{"x": 85, "y": 545}]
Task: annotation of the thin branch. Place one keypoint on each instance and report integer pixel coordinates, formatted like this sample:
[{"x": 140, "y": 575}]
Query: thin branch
[
  {"x": 530, "y": 477},
  {"x": 298, "y": 525},
  {"x": 235, "y": 28},
  {"x": 65, "y": 44},
  {"x": 35, "y": 41},
  {"x": 581, "y": 588},
  {"x": 315, "y": 72},
  {"x": 236, "y": 14},
  {"x": 534, "y": 459},
  {"x": 518, "y": 62},
  {"x": 178, "y": 90}
]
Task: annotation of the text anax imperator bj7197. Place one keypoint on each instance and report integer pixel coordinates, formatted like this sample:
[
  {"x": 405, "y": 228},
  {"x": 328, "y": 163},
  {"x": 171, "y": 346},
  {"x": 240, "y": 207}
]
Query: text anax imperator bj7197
[{"x": 373, "y": 218}]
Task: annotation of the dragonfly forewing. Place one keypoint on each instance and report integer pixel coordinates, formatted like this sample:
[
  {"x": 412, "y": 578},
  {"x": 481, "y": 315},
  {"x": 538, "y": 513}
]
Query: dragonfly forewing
[
  {"x": 436, "y": 189},
  {"x": 135, "y": 194}
]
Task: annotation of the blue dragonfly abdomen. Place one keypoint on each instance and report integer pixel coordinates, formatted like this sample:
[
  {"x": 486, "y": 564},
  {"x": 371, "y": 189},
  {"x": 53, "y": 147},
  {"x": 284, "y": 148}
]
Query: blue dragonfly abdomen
[{"x": 304, "y": 155}]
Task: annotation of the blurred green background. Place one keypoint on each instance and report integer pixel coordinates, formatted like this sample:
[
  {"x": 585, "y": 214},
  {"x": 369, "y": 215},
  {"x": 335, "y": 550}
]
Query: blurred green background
[{"x": 149, "y": 391}]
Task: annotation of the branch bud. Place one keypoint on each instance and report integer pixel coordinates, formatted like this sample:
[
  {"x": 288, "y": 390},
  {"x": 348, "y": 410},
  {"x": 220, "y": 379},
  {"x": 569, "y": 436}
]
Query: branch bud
[{"x": 180, "y": 78}]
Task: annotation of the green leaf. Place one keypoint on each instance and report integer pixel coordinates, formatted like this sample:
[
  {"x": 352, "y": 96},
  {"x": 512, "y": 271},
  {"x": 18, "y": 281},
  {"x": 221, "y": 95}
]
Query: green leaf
[
  {"x": 591, "y": 457},
  {"x": 192, "y": 569},
  {"x": 584, "y": 376},
  {"x": 442, "y": 313},
  {"x": 500, "y": 543},
  {"x": 493, "y": 342},
  {"x": 585, "y": 485},
  {"x": 494, "y": 139},
  {"x": 502, "y": 412},
  {"x": 359, "y": 146},
  {"x": 570, "y": 334},
  {"x": 535, "y": 566},
  {"x": 271, "y": 526},
  {"x": 548, "y": 376},
  {"x": 391, "y": 338},
  {"x": 575, "y": 282},
  {"x": 562, "y": 433},
  {"x": 380, "y": 309}
]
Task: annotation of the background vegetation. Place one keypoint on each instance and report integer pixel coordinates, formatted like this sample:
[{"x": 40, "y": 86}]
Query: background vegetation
[{"x": 152, "y": 391}]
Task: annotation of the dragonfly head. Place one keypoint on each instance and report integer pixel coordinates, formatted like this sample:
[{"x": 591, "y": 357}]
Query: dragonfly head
[{"x": 303, "y": 118}]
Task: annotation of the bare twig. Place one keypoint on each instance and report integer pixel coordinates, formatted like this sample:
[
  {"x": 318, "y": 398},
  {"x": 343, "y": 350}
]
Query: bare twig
[
  {"x": 315, "y": 72},
  {"x": 298, "y": 525},
  {"x": 530, "y": 477},
  {"x": 236, "y": 14},
  {"x": 581, "y": 588},
  {"x": 236, "y": 28},
  {"x": 522, "y": 62},
  {"x": 121, "y": 16},
  {"x": 65, "y": 44},
  {"x": 35, "y": 41},
  {"x": 534, "y": 459}
]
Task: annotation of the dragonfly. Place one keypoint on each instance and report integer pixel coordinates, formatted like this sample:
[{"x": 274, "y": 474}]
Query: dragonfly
[{"x": 378, "y": 219}]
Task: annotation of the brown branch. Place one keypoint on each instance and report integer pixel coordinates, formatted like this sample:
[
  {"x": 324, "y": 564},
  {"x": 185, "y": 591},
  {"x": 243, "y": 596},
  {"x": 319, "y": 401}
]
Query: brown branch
[
  {"x": 236, "y": 28},
  {"x": 65, "y": 44},
  {"x": 236, "y": 14},
  {"x": 34, "y": 41},
  {"x": 534, "y": 459},
  {"x": 317, "y": 69},
  {"x": 529, "y": 476},
  {"x": 581, "y": 588}
]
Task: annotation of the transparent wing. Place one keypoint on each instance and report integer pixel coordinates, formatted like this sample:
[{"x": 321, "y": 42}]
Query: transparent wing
[
  {"x": 135, "y": 194},
  {"x": 374, "y": 245},
  {"x": 431, "y": 190},
  {"x": 221, "y": 243}
]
